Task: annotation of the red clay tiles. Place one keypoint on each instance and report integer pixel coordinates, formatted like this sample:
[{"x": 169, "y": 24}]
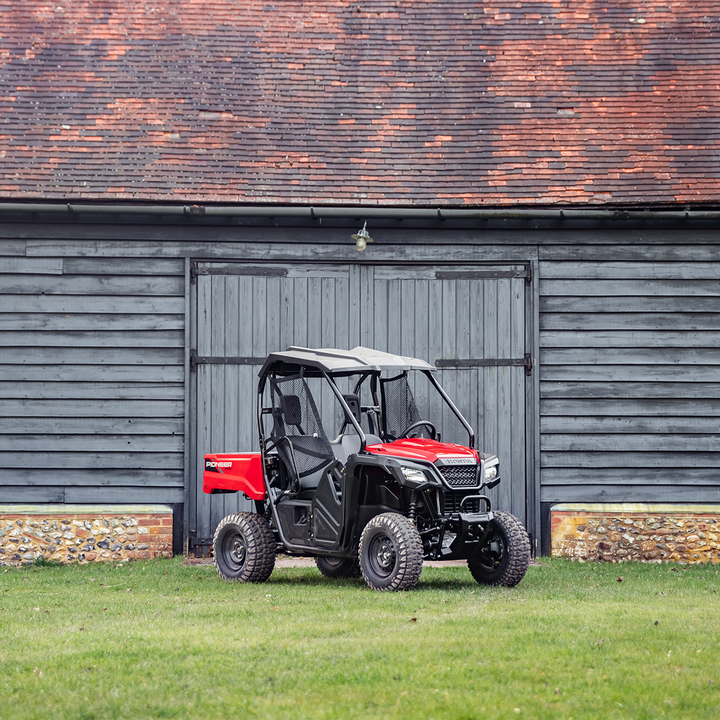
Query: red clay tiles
[{"x": 389, "y": 103}]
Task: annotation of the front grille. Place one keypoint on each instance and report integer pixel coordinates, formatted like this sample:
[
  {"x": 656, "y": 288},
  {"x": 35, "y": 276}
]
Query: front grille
[
  {"x": 459, "y": 475},
  {"x": 451, "y": 503}
]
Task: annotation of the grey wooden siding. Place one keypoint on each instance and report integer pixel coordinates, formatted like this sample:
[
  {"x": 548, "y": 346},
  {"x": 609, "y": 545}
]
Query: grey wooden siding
[
  {"x": 630, "y": 368},
  {"x": 91, "y": 376},
  {"x": 436, "y": 312},
  {"x": 92, "y": 347}
]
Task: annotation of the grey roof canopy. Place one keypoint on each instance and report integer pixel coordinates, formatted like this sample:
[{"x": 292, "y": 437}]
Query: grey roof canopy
[{"x": 343, "y": 362}]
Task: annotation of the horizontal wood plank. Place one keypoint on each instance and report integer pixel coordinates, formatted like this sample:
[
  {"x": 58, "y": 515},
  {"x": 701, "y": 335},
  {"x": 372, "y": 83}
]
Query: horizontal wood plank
[
  {"x": 118, "y": 392},
  {"x": 91, "y": 285},
  {"x": 630, "y": 356},
  {"x": 251, "y": 249},
  {"x": 624, "y": 425},
  {"x": 94, "y": 338},
  {"x": 96, "y": 443},
  {"x": 62, "y": 477},
  {"x": 89, "y": 460},
  {"x": 586, "y": 493},
  {"x": 671, "y": 408},
  {"x": 685, "y": 443},
  {"x": 621, "y": 390},
  {"x": 635, "y": 251},
  {"x": 30, "y": 495},
  {"x": 32, "y": 303},
  {"x": 89, "y": 323},
  {"x": 30, "y": 266},
  {"x": 11, "y": 246},
  {"x": 678, "y": 475},
  {"x": 124, "y": 495},
  {"x": 92, "y": 373},
  {"x": 617, "y": 270},
  {"x": 92, "y": 356},
  {"x": 631, "y": 373},
  {"x": 157, "y": 267},
  {"x": 153, "y": 232},
  {"x": 81, "y": 407},
  {"x": 630, "y": 459},
  {"x": 653, "y": 321},
  {"x": 72, "y": 425},
  {"x": 644, "y": 288},
  {"x": 627, "y": 339},
  {"x": 576, "y": 304}
]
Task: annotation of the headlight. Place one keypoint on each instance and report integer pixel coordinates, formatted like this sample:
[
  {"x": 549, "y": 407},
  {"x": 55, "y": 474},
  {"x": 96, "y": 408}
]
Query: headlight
[
  {"x": 491, "y": 473},
  {"x": 413, "y": 474}
]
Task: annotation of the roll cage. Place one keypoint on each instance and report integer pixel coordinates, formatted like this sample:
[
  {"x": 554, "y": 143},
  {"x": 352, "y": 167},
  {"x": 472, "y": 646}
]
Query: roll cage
[{"x": 385, "y": 411}]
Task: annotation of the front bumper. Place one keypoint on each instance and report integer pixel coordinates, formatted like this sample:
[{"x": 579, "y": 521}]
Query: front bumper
[{"x": 456, "y": 537}]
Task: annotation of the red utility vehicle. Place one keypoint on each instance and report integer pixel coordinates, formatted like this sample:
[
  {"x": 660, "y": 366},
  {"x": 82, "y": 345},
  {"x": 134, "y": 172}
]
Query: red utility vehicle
[{"x": 379, "y": 498}]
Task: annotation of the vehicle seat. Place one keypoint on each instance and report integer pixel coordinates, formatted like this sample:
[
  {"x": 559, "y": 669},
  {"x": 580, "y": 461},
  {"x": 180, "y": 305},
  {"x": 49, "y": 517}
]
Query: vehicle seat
[
  {"x": 298, "y": 433},
  {"x": 345, "y": 445}
]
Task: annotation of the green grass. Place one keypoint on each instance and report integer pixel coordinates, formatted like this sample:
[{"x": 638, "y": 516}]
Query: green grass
[{"x": 161, "y": 639}]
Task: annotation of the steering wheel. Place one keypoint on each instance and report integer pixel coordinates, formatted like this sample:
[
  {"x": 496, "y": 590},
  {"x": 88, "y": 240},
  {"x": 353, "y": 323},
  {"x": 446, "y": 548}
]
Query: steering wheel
[{"x": 419, "y": 423}]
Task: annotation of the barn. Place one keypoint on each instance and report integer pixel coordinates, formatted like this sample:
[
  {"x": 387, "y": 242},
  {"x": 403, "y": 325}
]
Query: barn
[{"x": 178, "y": 190}]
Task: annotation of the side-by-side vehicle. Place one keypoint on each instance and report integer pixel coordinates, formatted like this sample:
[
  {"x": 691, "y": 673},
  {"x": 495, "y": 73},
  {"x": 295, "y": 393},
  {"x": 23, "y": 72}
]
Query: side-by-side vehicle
[{"x": 379, "y": 497}]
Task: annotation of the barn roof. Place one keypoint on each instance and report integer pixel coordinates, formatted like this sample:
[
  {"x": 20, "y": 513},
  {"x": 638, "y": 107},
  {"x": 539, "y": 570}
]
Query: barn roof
[{"x": 389, "y": 102}]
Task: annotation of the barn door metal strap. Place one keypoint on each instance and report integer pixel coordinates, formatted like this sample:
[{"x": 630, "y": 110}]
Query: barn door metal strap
[
  {"x": 525, "y": 362},
  {"x": 252, "y": 270},
  {"x": 196, "y": 360}
]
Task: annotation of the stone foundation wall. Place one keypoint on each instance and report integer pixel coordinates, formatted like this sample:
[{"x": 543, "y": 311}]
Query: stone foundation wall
[
  {"x": 649, "y": 533},
  {"x": 84, "y": 533}
]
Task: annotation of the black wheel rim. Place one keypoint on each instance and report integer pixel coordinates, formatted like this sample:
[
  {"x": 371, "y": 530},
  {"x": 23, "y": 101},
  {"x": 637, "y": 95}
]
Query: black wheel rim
[
  {"x": 491, "y": 556},
  {"x": 234, "y": 550},
  {"x": 382, "y": 555}
]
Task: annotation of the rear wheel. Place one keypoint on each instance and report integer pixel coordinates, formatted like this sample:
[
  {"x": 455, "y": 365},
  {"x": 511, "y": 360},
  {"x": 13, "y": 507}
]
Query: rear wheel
[
  {"x": 390, "y": 553},
  {"x": 505, "y": 558},
  {"x": 338, "y": 567},
  {"x": 244, "y": 548}
]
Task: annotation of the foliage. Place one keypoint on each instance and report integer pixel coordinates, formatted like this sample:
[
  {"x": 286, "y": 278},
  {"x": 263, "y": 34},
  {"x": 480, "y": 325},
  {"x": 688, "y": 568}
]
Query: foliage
[{"x": 162, "y": 639}]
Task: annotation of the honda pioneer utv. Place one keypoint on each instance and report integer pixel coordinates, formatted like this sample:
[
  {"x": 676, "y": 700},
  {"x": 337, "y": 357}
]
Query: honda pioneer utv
[{"x": 382, "y": 496}]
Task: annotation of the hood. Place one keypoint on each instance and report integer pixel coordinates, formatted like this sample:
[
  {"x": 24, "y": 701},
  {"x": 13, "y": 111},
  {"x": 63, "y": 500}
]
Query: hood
[{"x": 422, "y": 449}]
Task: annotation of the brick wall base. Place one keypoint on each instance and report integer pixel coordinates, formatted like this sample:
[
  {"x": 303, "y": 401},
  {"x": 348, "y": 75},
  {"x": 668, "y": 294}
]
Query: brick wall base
[
  {"x": 84, "y": 533},
  {"x": 649, "y": 533}
]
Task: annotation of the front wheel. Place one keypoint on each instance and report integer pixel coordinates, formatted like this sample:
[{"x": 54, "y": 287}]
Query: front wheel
[
  {"x": 505, "y": 557},
  {"x": 338, "y": 567},
  {"x": 244, "y": 548},
  {"x": 391, "y": 555}
]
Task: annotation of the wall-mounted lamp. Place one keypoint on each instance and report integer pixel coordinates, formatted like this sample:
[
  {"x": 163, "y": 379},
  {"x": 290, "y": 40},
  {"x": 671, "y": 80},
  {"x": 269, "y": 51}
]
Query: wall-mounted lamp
[{"x": 362, "y": 238}]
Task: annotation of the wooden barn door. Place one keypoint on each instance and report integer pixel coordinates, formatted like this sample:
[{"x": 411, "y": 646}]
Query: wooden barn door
[
  {"x": 242, "y": 313},
  {"x": 470, "y": 321},
  {"x": 473, "y": 323}
]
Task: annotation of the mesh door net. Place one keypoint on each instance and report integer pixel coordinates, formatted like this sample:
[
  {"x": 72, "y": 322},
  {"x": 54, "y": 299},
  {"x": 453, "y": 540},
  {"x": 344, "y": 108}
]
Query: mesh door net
[
  {"x": 295, "y": 417},
  {"x": 399, "y": 410}
]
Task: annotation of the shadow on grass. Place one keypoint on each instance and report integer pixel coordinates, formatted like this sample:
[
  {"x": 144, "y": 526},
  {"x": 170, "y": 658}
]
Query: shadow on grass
[{"x": 309, "y": 577}]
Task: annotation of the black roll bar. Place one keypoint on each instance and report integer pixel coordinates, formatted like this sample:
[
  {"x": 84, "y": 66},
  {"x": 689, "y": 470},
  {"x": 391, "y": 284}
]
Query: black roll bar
[
  {"x": 451, "y": 405},
  {"x": 347, "y": 411}
]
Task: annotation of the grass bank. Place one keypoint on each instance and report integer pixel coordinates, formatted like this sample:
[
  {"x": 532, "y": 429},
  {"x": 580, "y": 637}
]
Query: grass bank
[{"x": 160, "y": 639}]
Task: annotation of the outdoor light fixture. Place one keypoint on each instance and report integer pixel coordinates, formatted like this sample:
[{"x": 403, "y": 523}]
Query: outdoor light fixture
[{"x": 362, "y": 238}]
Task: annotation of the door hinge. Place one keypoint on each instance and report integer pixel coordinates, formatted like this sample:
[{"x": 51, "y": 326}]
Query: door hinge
[{"x": 195, "y": 541}]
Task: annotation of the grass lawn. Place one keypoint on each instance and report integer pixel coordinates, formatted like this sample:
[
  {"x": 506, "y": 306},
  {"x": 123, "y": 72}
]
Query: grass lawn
[{"x": 162, "y": 639}]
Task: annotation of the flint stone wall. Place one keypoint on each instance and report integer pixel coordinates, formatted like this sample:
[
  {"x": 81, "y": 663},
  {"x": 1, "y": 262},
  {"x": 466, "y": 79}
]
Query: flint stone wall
[
  {"x": 648, "y": 533},
  {"x": 84, "y": 533}
]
